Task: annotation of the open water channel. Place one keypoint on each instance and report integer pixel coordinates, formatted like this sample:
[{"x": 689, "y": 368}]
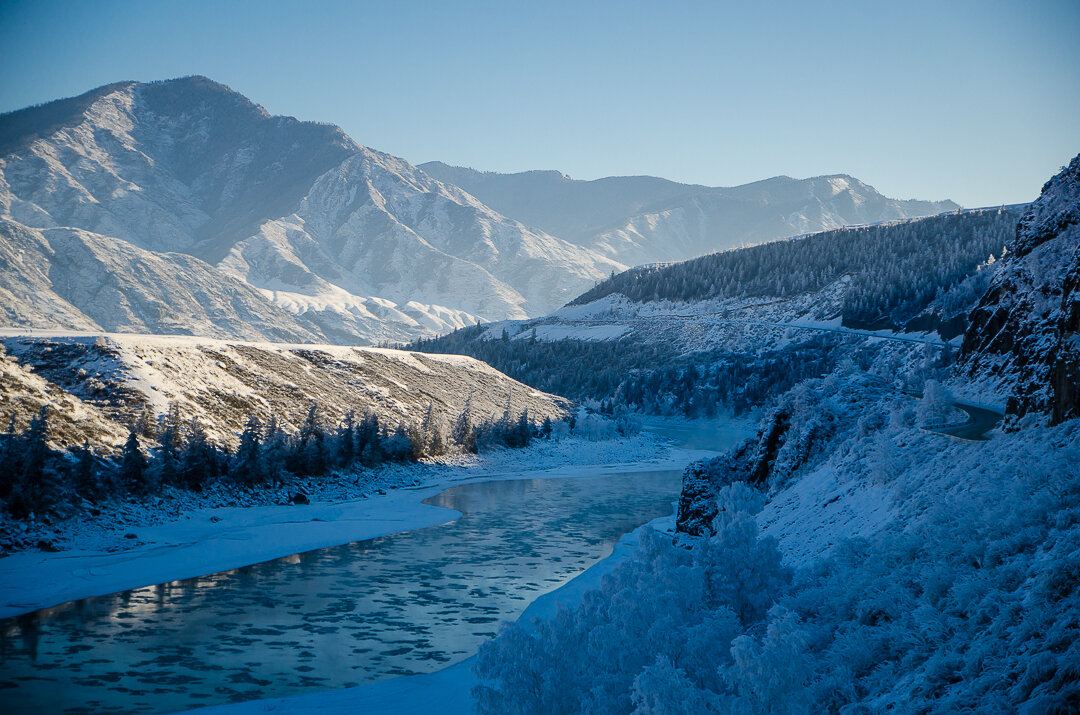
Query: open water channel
[{"x": 406, "y": 603}]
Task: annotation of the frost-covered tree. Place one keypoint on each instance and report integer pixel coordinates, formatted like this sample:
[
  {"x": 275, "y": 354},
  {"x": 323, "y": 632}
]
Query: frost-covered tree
[
  {"x": 274, "y": 453},
  {"x": 935, "y": 405},
  {"x": 170, "y": 445},
  {"x": 345, "y": 440},
  {"x": 463, "y": 433},
  {"x": 668, "y": 604},
  {"x": 248, "y": 464},
  {"x": 311, "y": 454}
]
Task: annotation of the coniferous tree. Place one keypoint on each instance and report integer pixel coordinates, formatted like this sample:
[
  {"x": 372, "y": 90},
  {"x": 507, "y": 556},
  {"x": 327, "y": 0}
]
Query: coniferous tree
[
  {"x": 170, "y": 445},
  {"x": 10, "y": 460},
  {"x": 463, "y": 432},
  {"x": 416, "y": 441},
  {"x": 133, "y": 474},
  {"x": 346, "y": 440},
  {"x": 146, "y": 422},
  {"x": 368, "y": 443},
  {"x": 274, "y": 453},
  {"x": 37, "y": 487},
  {"x": 86, "y": 476},
  {"x": 198, "y": 463},
  {"x": 248, "y": 466},
  {"x": 311, "y": 453},
  {"x": 432, "y": 435},
  {"x": 397, "y": 446}
]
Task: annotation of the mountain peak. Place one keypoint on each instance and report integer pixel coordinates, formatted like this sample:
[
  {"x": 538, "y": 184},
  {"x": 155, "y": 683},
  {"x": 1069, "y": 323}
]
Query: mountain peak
[{"x": 19, "y": 128}]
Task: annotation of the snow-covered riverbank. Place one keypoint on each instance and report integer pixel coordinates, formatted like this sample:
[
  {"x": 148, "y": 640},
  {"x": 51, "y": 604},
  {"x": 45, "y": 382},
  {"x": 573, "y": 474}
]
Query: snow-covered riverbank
[{"x": 190, "y": 535}]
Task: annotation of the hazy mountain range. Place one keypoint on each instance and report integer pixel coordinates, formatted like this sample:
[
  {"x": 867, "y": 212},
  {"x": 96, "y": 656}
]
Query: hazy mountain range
[
  {"x": 183, "y": 207},
  {"x": 643, "y": 219}
]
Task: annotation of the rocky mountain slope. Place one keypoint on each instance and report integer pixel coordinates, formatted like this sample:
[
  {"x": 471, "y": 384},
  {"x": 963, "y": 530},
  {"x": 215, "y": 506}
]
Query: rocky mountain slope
[
  {"x": 1025, "y": 332},
  {"x": 644, "y": 219},
  {"x": 353, "y": 244},
  {"x": 99, "y": 385}
]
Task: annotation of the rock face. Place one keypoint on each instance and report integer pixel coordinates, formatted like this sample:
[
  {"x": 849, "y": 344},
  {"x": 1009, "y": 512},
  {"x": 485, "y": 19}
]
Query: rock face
[
  {"x": 1024, "y": 335},
  {"x": 313, "y": 235},
  {"x": 644, "y": 219}
]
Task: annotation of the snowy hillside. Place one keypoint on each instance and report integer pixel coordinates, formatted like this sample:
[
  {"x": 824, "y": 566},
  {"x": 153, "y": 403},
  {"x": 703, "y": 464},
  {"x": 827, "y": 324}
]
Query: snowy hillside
[
  {"x": 74, "y": 279},
  {"x": 733, "y": 328},
  {"x": 356, "y": 245},
  {"x": 857, "y": 555},
  {"x": 99, "y": 386},
  {"x": 643, "y": 219}
]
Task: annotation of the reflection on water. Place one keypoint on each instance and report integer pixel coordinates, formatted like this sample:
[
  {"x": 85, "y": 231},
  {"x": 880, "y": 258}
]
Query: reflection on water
[
  {"x": 330, "y": 618},
  {"x": 713, "y": 434}
]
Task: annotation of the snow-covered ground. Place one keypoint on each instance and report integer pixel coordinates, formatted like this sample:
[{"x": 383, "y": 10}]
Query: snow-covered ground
[
  {"x": 185, "y": 534},
  {"x": 734, "y": 324}
]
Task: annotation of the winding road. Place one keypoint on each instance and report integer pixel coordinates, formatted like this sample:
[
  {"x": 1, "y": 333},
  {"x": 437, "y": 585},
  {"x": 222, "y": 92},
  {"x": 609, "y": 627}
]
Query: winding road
[{"x": 980, "y": 421}]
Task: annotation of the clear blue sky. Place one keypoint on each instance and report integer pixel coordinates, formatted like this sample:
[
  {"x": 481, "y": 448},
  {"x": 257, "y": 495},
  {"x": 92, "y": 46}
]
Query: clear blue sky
[{"x": 974, "y": 101}]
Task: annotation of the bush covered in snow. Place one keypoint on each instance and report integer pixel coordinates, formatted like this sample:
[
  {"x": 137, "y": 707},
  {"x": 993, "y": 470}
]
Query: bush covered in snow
[{"x": 965, "y": 601}]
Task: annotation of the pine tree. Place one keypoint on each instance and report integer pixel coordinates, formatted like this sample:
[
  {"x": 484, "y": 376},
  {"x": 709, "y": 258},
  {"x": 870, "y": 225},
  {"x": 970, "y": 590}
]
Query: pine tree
[
  {"x": 311, "y": 457},
  {"x": 431, "y": 430},
  {"x": 346, "y": 440},
  {"x": 523, "y": 430},
  {"x": 170, "y": 445},
  {"x": 463, "y": 432},
  {"x": 247, "y": 463},
  {"x": 368, "y": 447},
  {"x": 398, "y": 446},
  {"x": 37, "y": 487},
  {"x": 10, "y": 460},
  {"x": 198, "y": 463},
  {"x": 146, "y": 422},
  {"x": 86, "y": 476},
  {"x": 133, "y": 474},
  {"x": 274, "y": 453}
]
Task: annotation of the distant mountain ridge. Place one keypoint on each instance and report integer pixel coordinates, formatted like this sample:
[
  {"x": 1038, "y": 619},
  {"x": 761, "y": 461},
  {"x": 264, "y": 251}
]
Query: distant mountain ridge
[
  {"x": 644, "y": 219},
  {"x": 352, "y": 244},
  {"x": 181, "y": 206}
]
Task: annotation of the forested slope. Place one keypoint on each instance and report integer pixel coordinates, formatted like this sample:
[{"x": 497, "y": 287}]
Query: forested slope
[
  {"x": 897, "y": 270},
  {"x": 732, "y": 329}
]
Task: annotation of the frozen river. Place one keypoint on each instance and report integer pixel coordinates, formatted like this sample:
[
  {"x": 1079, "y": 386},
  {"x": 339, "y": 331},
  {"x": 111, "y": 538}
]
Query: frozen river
[{"x": 406, "y": 603}]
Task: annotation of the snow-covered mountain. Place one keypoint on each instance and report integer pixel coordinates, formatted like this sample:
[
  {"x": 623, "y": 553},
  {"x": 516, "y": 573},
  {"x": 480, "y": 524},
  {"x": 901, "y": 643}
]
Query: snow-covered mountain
[
  {"x": 79, "y": 280},
  {"x": 355, "y": 244},
  {"x": 97, "y": 385},
  {"x": 644, "y": 219},
  {"x": 1025, "y": 332}
]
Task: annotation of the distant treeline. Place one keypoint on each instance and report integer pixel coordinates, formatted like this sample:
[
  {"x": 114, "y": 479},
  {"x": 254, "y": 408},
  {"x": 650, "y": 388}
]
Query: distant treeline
[
  {"x": 37, "y": 479},
  {"x": 897, "y": 270},
  {"x": 651, "y": 377}
]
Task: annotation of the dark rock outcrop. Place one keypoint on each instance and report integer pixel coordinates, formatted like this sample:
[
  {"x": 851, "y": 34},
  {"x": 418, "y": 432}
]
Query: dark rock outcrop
[
  {"x": 1025, "y": 332},
  {"x": 701, "y": 483},
  {"x": 794, "y": 436}
]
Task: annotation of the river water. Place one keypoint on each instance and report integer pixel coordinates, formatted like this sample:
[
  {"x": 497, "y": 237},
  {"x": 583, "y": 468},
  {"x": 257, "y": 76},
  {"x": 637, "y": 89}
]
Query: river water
[{"x": 332, "y": 618}]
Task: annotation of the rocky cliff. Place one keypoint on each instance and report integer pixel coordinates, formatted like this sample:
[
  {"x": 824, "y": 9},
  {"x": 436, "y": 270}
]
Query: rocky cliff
[{"x": 1024, "y": 335}]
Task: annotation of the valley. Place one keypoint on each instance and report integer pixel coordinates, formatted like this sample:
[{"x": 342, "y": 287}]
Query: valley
[{"x": 291, "y": 424}]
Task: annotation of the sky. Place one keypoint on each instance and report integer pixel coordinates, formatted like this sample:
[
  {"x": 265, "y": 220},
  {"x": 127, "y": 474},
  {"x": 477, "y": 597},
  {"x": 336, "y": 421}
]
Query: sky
[{"x": 977, "y": 101}]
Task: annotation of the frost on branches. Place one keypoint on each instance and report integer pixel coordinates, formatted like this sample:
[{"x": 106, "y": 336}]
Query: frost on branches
[{"x": 965, "y": 599}]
